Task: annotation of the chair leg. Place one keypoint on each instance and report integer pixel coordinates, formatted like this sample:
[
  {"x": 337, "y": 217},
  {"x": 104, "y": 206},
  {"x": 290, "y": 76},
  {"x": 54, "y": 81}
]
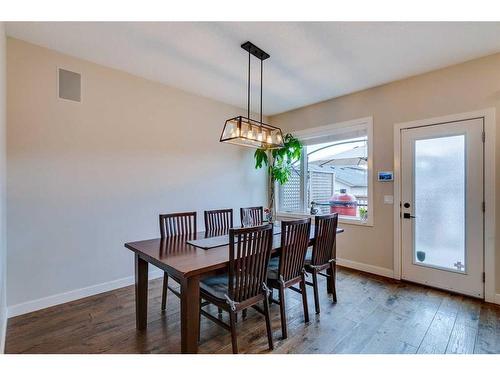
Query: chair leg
[
  {"x": 164, "y": 292},
  {"x": 232, "y": 323},
  {"x": 304, "y": 298},
  {"x": 219, "y": 311},
  {"x": 199, "y": 323},
  {"x": 284, "y": 331},
  {"x": 270, "y": 298},
  {"x": 315, "y": 289},
  {"x": 244, "y": 314},
  {"x": 268, "y": 324},
  {"x": 332, "y": 278}
]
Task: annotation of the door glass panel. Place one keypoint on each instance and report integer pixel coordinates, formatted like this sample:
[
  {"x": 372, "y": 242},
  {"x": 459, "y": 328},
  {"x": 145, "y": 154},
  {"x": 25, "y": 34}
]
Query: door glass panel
[{"x": 439, "y": 198}]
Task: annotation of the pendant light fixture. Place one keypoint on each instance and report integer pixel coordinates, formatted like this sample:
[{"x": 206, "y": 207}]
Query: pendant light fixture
[{"x": 245, "y": 131}]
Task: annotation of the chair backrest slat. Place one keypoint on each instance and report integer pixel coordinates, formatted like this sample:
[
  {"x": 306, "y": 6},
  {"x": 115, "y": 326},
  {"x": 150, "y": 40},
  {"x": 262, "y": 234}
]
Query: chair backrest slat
[
  {"x": 249, "y": 254},
  {"x": 218, "y": 222},
  {"x": 294, "y": 243},
  {"x": 257, "y": 214},
  {"x": 178, "y": 224},
  {"x": 325, "y": 237}
]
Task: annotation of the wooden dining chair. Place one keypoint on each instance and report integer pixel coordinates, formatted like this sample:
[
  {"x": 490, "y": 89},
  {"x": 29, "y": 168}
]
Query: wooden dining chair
[
  {"x": 218, "y": 222},
  {"x": 244, "y": 286},
  {"x": 323, "y": 255},
  {"x": 287, "y": 270},
  {"x": 180, "y": 224},
  {"x": 257, "y": 214}
]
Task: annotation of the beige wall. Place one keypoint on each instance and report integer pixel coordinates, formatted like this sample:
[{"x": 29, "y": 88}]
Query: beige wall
[
  {"x": 3, "y": 243},
  {"x": 466, "y": 87},
  {"x": 85, "y": 178}
]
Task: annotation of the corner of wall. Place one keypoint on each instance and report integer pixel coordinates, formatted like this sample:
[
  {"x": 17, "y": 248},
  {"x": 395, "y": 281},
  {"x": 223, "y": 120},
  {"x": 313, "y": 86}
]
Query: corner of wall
[
  {"x": 3, "y": 250},
  {"x": 3, "y": 329}
]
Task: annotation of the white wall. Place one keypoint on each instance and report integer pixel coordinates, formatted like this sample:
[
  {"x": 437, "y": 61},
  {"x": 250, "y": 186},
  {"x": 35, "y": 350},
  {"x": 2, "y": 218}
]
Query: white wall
[
  {"x": 84, "y": 178},
  {"x": 3, "y": 242}
]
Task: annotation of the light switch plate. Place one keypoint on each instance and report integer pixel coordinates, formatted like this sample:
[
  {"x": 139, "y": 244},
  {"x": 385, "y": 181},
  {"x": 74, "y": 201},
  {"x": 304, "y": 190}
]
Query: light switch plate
[{"x": 388, "y": 199}]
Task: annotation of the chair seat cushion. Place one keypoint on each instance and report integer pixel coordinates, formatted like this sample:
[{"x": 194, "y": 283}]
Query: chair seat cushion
[
  {"x": 309, "y": 255},
  {"x": 274, "y": 263},
  {"x": 272, "y": 269},
  {"x": 216, "y": 285}
]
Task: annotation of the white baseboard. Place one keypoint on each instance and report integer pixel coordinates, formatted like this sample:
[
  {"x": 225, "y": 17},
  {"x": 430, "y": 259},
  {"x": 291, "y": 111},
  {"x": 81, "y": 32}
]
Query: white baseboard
[
  {"x": 497, "y": 299},
  {"x": 57, "y": 299},
  {"x": 381, "y": 271}
]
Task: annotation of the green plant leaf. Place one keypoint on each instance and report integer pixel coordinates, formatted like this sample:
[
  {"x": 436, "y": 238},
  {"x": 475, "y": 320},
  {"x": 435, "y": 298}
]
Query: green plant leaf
[
  {"x": 282, "y": 158},
  {"x": 260, "y": 158}
]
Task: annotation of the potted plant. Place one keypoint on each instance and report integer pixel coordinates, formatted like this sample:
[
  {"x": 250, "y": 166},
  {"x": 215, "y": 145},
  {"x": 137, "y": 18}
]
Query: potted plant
[
  {"x": 279, "y": 164},
  {"x": 363, "y": 213}
]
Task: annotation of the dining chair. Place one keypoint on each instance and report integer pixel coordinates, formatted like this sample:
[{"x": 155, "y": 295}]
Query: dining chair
[
  {"x": 287, "y": 270},
  {"x": 244, "y": 285},
  {"x": 256, "y": 213},
  {"x": 323, "y": 254},
  {"x": 180, "y": 225},
  {"x": 218, "y": 222}
]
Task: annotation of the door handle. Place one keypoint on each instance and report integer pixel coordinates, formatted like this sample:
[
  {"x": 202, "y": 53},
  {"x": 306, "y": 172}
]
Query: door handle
[{"x": 406, "y": 215}]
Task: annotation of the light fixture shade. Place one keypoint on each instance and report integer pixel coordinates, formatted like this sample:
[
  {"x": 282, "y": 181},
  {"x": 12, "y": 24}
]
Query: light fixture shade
[{"x": 244, "y": 131}]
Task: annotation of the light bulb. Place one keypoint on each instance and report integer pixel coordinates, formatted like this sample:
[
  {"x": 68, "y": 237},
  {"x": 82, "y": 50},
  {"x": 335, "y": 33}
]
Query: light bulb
[
  {"x": 269, "y": 139},
  {"x": 259, "y": 137},
  {"x": 278, "y": 138},
  {"x": 250, "y": 133}
]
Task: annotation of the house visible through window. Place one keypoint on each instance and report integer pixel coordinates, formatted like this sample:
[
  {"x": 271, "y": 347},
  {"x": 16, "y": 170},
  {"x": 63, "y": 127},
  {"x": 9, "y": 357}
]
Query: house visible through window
[{"x": 332, "y": 175}]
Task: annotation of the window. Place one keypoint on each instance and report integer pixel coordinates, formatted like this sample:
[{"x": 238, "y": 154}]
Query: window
[{"x": 333, "y": 174}]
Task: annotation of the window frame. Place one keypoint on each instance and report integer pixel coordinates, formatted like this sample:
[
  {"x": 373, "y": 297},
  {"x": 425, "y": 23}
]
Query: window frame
[{"x": 331, "y": 129}]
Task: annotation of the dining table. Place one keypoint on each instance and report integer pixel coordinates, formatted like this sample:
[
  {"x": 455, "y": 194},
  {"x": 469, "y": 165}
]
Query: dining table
[{"x": 187, "y": 260}]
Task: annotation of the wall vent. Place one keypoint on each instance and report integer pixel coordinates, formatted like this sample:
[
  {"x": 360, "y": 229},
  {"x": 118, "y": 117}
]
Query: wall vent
[{"x": 69, "y": 85}]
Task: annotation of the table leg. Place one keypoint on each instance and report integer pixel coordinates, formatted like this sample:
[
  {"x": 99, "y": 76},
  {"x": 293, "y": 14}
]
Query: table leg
[
  {"x": 141, "y": 293},
  {"x": 190, "y": 314}
]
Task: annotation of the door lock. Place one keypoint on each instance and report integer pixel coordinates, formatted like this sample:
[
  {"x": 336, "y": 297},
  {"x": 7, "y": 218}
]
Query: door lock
[{"x": 407, "y": 215}]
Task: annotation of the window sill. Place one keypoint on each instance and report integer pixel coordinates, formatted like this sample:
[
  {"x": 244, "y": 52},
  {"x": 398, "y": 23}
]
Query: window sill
[{"x": 342, "y": 220}]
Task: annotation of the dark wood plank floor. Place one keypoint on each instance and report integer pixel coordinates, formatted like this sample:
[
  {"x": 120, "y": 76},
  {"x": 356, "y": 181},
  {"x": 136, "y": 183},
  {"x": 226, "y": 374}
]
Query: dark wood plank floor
[{"x": 373, "y": 315}]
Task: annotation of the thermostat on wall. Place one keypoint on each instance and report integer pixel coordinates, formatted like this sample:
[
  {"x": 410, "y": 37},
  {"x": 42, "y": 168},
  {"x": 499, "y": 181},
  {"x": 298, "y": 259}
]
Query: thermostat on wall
[{"x": 385, "y": 176}]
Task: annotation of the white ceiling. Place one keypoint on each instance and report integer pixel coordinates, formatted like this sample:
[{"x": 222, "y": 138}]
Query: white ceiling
[{"x": 310, "y": 61}]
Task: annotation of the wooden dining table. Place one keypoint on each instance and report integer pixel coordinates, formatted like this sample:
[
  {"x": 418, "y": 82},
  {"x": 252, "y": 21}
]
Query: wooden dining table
[{"x": 187, "y": 264}]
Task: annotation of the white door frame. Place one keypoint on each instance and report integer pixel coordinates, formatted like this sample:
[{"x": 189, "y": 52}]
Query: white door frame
[{"x": 489, "y": 190}]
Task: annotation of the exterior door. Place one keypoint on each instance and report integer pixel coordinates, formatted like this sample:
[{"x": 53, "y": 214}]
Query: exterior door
[{"x": 442, "y": 206}]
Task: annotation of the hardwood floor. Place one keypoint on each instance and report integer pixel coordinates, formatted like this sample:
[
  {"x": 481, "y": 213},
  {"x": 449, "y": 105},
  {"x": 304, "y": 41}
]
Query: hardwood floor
[{"x": 373, "y": 315}]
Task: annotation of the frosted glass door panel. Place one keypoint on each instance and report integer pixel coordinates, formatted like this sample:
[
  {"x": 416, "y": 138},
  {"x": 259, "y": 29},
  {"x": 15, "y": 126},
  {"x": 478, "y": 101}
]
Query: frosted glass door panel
[{"x": 439, "y": 192}]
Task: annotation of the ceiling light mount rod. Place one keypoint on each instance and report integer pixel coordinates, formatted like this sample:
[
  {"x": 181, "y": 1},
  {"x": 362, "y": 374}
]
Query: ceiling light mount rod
[
  {"x": 260, "y": 90},
  {"x": 248, "y": 93},
  {"x": 261, "y": 55}
]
